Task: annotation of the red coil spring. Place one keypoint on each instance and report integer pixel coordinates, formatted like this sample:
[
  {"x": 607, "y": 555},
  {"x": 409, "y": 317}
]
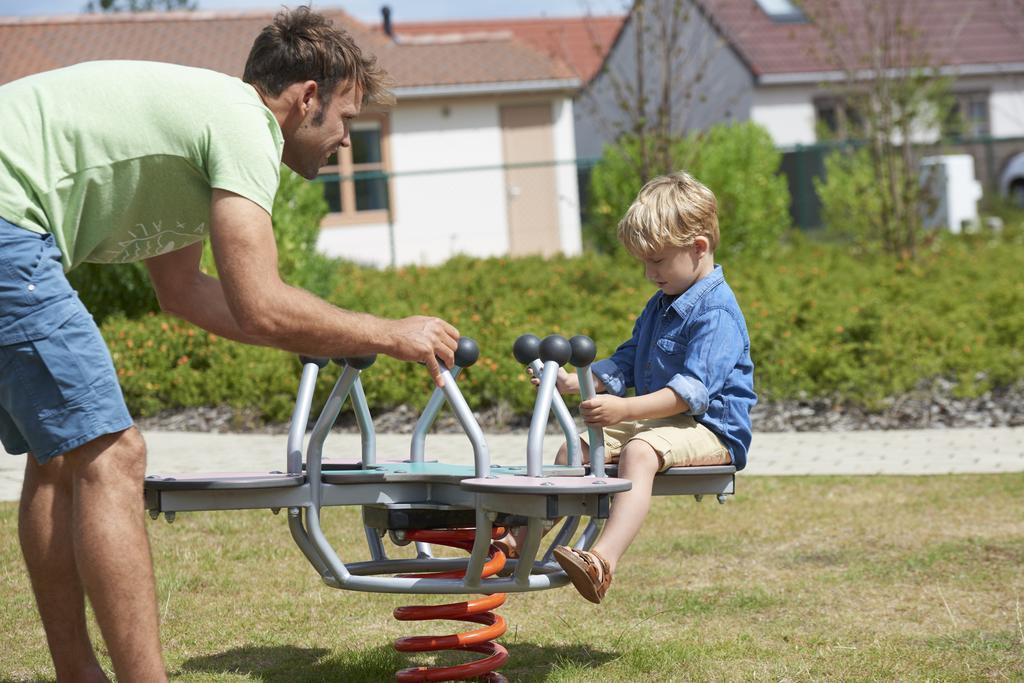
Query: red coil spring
[{"x": 477, "y": 611}]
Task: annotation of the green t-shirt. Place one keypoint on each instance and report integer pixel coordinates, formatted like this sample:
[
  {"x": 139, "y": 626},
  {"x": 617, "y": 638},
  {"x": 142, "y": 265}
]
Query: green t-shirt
[{"x": 117, "y": 158}]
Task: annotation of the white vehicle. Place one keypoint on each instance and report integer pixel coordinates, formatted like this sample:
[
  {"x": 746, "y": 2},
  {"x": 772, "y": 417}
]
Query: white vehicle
[{"x": 1011, "y": 182}]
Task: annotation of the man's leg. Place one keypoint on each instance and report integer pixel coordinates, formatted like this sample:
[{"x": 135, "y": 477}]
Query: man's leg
[
  {"x": 44, "y": 528},
  {"x": 562, "y": 457},
  {"x": 81, "y": 524},
  {"x": 638, "y": 462},
  {"x": 112, "y": 551}
]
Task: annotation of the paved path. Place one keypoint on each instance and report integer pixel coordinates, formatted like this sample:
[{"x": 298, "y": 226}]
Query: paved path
[{"x": 934, "y": 451}]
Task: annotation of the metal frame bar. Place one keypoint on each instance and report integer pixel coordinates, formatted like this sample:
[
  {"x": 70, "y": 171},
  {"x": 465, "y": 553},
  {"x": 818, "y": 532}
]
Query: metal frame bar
[{"x": 534, "y": 571}]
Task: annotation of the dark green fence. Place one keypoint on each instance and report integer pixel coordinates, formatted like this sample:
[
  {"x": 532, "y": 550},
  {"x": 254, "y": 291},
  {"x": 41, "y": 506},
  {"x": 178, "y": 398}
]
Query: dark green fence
[{"x": 802, "y": 164}]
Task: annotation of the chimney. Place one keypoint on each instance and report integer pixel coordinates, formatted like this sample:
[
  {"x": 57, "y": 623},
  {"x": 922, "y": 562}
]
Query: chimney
[{"x": 385, "y": 13}]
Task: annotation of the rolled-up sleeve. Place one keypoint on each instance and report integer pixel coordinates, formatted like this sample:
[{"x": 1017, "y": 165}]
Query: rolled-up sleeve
[
  {"x": 691, "y": 390},
  {"x": 610, "y": 375},
  {"x": 714, "y": 347}
]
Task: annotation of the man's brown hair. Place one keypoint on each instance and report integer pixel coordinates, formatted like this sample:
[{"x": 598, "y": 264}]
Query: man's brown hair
[{"x": 303, "y": 45}]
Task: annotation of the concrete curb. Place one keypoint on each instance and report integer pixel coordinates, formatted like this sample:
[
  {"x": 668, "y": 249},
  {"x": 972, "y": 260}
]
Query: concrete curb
[{"x": 903, "y": 452}]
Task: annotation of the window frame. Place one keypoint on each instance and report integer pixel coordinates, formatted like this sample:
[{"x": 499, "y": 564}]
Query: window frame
[
  {"x": 345, "y": 170},
  {"x": 844, "y": 114},
  {"x": 962, "y": 101}
]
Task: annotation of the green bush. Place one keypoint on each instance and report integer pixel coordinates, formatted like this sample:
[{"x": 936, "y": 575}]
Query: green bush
[
  {"x": 124, "y": 290},
  {"x": 108, "y": 290},
  {"x": 822, "y": 324},
  {"x": 739, "y": 163},
  {"x": 851, "y": 199},
  {"x": 878, "y": 204}
]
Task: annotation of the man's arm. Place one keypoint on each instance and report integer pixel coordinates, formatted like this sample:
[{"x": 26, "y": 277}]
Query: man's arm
[
  {"x": 265, "y": 310},
  {"x": 186, "y": 292}
]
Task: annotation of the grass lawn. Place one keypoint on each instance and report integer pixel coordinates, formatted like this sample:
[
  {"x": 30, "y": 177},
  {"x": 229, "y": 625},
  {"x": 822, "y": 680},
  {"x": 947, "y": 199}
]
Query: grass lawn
[{"x": 802, "y": 578}]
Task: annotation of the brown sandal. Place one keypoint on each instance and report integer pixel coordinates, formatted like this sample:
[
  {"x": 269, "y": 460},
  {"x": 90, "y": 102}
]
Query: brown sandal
[
  {"x": 510, "y": 551},
  {"x": 589, "y": 572}
]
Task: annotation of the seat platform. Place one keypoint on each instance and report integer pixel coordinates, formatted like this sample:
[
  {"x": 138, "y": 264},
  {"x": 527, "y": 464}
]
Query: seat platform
[
  {"x": 195, "y": 481},
  {"x": 196, "y": 491},
  {"x": 714, "y": 480}
]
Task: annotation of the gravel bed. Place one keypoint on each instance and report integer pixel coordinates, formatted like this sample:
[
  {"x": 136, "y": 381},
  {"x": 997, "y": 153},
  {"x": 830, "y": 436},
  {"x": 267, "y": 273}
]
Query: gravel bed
[{"x": 931, "y": 407}]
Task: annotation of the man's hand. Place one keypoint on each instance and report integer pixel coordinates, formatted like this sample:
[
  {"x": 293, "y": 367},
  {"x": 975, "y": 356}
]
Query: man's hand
[
  {"x": 423, "y": 339},
  {"x": 604, "y": 410},
  {"x": 268, "y": 310}
]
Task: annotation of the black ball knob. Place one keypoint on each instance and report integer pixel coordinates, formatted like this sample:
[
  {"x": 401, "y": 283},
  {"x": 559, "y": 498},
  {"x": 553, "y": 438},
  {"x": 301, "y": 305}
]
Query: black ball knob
[
  {"x": 584, "y": 350},
  {"x": 320, "y": 362},
  {"x": 526, "y": 348},
  {"x": 361, "y": 362},
  {"x": 555, "y": 347},
  {"x": 467, "y": 353}
]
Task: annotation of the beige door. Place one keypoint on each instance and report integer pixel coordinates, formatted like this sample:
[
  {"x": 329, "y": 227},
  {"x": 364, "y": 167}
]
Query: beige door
[{"x": 528, "y": 139}]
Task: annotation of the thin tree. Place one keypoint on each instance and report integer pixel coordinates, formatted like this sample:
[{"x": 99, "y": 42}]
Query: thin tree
[
  {"x": 654, "y": 93},
  {"x": 892, "y": 87}
]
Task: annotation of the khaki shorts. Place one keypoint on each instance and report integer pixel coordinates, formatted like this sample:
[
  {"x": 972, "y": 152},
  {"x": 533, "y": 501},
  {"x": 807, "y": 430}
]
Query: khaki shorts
[{"x": 679, "y": 441}]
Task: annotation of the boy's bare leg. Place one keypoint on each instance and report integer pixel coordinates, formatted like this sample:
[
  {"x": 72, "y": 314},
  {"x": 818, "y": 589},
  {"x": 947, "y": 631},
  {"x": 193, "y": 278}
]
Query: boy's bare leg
[
  {"x": 111, "y": 552},
  {"x": 44, "y": 528},
  {"x": 638, "y": 462},
  {"x": 562, "y": 457},
  {"x": 518, "y": 534}
]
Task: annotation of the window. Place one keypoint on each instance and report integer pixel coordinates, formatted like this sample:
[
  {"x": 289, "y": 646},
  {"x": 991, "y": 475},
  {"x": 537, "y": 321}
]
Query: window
[
  {"x": 837, "y": 120},
  {"x": 355, "y": 180},
  {"x": 782, "y": 11},
  {"x": 968, "y": 116}
]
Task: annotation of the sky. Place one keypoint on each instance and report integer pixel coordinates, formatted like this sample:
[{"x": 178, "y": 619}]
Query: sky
[{"x": 369, "y": 10}]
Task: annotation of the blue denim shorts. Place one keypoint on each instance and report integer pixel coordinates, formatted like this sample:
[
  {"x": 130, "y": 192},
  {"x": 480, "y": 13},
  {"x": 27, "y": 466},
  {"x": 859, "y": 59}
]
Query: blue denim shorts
[{"x": 58, "y": 386}]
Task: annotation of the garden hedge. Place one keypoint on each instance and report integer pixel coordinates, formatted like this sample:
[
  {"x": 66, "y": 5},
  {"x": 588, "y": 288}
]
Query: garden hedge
[{"x": 824, "y": 321}]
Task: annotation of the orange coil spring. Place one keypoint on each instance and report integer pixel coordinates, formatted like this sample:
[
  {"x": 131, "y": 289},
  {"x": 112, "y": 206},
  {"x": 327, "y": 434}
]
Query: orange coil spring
[{"x": 477, "y": 611}]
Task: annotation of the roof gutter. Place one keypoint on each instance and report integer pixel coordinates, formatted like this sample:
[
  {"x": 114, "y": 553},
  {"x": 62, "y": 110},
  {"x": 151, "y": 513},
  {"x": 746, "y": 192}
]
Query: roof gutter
[
  {"x": 814, "y": 77},
  {"x": 418, "y": 92}
]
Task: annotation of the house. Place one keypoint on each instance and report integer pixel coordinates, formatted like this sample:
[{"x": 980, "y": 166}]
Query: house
[
  {"x": 477, "y": 156},
  {"x": 764, "y": 61},
  {"x": 580, "y": 42}
]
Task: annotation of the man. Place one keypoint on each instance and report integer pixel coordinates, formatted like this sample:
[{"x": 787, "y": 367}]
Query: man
[{"x": 124, "y": 161}]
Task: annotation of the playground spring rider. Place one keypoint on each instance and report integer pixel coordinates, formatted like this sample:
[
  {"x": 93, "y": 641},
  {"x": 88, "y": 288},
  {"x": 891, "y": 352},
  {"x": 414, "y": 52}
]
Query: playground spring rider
[{"x": 429, "y": 502}]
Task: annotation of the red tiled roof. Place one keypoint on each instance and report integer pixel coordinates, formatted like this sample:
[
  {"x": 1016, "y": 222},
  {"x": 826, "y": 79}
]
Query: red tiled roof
[
  {"x": 221, "y": 41},
  {"x": 579, "y": 42},
  {"x": 486, "y": 61},
  {"x": 952, "y": 32}
]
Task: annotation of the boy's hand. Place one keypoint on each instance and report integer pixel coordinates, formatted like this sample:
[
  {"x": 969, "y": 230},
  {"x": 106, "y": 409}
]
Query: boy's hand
[
  {"x": 565, "y": 382},
  {"x": 604, "y": 410}
]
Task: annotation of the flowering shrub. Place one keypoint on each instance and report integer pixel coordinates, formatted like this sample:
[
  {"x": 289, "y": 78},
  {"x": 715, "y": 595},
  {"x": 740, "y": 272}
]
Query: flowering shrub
[{"x": 823, "y": 323}]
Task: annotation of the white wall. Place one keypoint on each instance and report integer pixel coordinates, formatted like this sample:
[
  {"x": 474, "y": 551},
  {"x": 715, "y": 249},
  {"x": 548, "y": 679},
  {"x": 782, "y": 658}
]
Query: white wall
[
  {"x": 568, "y": 187},
  {"x": 1006, "y": 107},
  {"x": 787, "y": 113},
  {"x": 715, "y": 85},
  {"x": 439, "y": 211}
]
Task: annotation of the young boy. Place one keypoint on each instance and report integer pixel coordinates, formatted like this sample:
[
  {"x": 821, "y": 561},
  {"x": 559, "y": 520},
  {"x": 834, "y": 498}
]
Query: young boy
[{"x": 688, "y": 358}]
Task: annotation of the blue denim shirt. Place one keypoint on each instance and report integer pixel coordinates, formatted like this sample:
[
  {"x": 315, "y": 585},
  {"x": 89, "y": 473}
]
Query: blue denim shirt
[{"x": 698, "y": 346}]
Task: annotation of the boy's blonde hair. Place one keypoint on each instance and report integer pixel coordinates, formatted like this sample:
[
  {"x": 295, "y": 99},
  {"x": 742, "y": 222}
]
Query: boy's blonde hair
[{"x": 670, "y": 210}]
